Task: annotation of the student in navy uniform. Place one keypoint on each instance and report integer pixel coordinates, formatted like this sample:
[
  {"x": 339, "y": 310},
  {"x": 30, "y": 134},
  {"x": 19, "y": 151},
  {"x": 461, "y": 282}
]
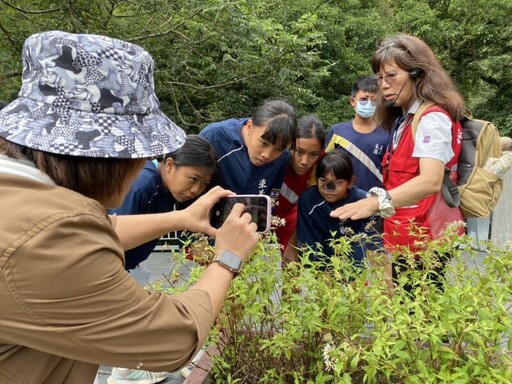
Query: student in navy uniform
[
  {"x": 252, "y": 152},
  {"x": 361, "y": 138},
  {"x": 163, "y": 186},
  {"x": 315, "y": 226},
  {"x": 177, "y": 178}
]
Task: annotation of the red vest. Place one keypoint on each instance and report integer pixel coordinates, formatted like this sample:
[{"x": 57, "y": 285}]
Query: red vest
[{"x": 399, "y": 166}]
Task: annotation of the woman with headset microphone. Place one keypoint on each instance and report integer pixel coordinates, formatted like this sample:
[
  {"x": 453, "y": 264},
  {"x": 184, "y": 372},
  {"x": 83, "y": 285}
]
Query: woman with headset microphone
[{"x": 408, "y": 75}]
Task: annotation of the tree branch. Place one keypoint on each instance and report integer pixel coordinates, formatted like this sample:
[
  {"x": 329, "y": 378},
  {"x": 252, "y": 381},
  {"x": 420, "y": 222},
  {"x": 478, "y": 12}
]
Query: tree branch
[
  {"x": 172, "y": 30},
  {"x": 197, "y": 113},
  {"x": 492, "y": 81},
  {"x": 175, "y": 29},
  {"x": 31, "y": 12},
  {"x": 138, "y": 38},
  {"x": 8, "y": 36},
  {"x": 202, "y": 88},
  {"x": 178, "y": 107}
]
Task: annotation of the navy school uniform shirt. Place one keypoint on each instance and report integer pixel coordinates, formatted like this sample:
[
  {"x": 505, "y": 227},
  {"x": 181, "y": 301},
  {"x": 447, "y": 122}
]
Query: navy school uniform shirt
[
  {"x": 315, "y": 226},
  {"x": 366, "y": 151},
  {"x": 147, "y": 195},
  {"x": 234, "y": 168}
]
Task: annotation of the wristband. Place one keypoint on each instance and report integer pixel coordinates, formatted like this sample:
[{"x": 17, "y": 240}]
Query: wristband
[{"x": 385, "y": 206}]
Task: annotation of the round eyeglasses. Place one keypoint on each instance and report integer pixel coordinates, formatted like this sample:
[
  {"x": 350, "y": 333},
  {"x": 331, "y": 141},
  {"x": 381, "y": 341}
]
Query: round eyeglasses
[{"x": 366, "y": 100}]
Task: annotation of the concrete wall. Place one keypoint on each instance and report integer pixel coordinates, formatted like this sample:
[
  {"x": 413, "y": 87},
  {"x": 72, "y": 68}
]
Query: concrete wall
[{"x": 501, "y": 220}]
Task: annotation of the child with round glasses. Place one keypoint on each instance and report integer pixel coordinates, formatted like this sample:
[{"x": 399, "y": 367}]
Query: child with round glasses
[{"x": 315, "y": 228}]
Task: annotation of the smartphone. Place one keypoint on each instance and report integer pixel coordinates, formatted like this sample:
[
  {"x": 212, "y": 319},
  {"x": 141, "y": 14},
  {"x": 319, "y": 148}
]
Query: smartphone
[{"x": 257, "y": 205}]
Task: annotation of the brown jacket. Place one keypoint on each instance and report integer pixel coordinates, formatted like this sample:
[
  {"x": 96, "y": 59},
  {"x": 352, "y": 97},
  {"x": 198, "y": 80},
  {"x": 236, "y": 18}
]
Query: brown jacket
[{"x": 66, "y": 302}]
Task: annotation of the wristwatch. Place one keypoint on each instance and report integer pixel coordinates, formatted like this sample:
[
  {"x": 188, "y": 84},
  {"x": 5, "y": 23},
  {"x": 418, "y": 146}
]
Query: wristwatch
[
  {"x": 385, "y": 206},
  {"x": 229, "y": 260}
]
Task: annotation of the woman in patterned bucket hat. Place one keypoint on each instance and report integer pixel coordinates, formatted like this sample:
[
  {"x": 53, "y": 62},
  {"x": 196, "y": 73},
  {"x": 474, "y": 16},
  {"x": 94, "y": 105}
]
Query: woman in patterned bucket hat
[
  {"x": 85, "y": 122},
  {"x": 88, "y": 95}
]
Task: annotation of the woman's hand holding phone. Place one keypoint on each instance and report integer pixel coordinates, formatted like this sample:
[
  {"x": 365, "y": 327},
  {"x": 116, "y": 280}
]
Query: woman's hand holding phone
[
  {"x": 258, "y": 206},
  {"x": 238, "y": 233},
  {"x": 238, "y": 236},
  {"x": 196, "y": 217}
]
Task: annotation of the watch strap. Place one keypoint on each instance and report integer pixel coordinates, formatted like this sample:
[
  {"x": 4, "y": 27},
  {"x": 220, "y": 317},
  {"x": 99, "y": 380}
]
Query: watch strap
[{"x": 229, "y": 260}]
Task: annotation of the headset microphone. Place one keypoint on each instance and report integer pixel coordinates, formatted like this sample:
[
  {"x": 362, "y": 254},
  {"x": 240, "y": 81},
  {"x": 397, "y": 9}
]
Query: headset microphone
[
  {"x": 413, "y": 75},
  {"x": 391, "y": 104}
]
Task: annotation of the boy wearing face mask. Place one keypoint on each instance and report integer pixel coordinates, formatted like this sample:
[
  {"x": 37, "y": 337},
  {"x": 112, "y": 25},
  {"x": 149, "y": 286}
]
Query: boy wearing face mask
[{"x": 361, "y": 138}]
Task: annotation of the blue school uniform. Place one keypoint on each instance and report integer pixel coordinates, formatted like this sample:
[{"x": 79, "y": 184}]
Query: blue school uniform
[
  {"x": 366, "y": 151},
  {"x": 235, "y": 171},
  {"x": 148, "y": 194},
  {"x": 315, "y": 227}
]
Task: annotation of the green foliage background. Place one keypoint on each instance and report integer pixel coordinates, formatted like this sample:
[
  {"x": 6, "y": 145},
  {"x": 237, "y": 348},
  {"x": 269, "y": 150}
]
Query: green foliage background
[{"x": 221, "y": 58}]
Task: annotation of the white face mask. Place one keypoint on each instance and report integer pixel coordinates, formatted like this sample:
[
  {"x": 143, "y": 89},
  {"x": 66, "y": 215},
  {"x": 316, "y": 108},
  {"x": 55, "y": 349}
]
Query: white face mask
[{"x": 365, "y": 108}]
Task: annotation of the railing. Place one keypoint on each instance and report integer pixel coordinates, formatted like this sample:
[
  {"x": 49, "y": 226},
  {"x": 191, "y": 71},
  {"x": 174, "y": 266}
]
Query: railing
[
  {"x": 501, "y": 218},
  {"x": 169, "y": 242}
]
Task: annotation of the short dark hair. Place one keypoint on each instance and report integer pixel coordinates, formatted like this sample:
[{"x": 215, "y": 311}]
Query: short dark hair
[
  {"x": 311, "y": 127},
  {"x": 195, "y": 152},
  {"x": 281, "y": 121},
  {"x": 365, "y": 84},
  {"x": 336, "y": 162},
  {"x": 96, "y": 178}
]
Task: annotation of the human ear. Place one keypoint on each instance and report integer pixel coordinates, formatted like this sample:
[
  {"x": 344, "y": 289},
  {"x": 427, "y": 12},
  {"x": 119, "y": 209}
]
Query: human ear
[
  {"x": 249, "y": 126},
  {"x": 169, "y": 164},
  {"x": 352, "y": 182}
]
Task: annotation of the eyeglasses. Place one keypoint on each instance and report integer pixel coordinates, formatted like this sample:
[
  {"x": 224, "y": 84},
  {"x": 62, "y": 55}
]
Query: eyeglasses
[
  {"x": 389, "y": 78},
  {"x": 330, "y": 184},
  {"x": 366, "y": 100}
]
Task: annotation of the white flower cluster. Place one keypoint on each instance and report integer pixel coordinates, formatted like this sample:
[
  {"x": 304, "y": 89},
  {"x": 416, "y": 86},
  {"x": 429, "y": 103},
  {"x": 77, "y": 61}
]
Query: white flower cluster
[
  {"x": 277, "y": 222},
  {"x": 337, "y": 356},
  {"x": 328, "y": 350}
]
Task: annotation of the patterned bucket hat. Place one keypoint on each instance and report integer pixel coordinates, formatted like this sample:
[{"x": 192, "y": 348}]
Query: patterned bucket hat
[{"x": 88, "y": 95}]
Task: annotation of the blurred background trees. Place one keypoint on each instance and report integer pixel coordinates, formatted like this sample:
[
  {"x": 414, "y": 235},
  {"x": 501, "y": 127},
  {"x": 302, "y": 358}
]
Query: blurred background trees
[{"x": 221, "y": 58}]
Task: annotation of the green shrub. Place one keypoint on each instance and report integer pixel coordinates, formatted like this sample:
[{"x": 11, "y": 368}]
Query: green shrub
[{"x": 303, "y": 325}]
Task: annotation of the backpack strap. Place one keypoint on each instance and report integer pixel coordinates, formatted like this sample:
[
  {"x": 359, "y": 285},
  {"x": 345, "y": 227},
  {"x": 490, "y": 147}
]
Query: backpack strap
[
  {"x": 417, "y": 116},
  {"x": 449, "y": 189}
]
